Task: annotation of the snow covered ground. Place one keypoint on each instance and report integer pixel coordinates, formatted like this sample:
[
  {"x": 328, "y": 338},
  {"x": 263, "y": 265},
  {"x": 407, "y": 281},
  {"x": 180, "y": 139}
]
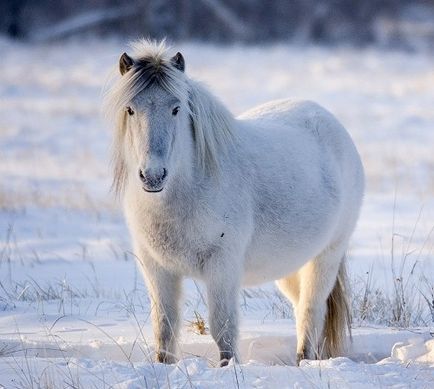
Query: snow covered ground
[{"x": 73, "y": 308}]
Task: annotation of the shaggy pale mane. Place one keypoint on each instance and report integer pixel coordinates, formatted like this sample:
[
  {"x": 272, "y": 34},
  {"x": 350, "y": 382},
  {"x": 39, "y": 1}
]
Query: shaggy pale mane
[{"x": 212, "y": 123}]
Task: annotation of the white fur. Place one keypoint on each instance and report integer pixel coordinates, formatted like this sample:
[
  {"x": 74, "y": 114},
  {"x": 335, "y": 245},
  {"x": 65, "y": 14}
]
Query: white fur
[{"x": 280, "y": 200}]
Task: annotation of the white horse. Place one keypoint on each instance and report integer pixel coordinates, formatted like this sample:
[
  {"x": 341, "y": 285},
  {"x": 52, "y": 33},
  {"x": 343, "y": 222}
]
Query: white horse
[{"x": 271, "y": 195}]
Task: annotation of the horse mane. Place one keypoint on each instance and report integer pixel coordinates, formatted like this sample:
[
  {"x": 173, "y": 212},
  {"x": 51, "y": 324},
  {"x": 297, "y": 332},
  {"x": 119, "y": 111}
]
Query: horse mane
[{"x": 212, "y": 123}]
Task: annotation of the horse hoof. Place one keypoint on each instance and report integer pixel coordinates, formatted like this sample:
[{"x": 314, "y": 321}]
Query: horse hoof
[
  {"x": 224, "y": 362},
  {"x": 164, "y": 357},
  {"x": 300, "y": 357},
  {"x": 225, "y": 357}
]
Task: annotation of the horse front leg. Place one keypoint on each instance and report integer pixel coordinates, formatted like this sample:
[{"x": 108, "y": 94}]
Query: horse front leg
[
  {"x": 164, "y": 291},
  {"x": 223, "y": 291}
]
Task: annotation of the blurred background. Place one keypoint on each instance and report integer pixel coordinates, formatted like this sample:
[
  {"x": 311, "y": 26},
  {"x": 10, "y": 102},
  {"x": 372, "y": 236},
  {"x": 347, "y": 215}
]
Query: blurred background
[{"x": 392, "y": 23}]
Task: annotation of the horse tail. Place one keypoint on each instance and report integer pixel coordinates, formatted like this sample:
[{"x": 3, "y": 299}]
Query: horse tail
[{"x": 338, "y": 316}]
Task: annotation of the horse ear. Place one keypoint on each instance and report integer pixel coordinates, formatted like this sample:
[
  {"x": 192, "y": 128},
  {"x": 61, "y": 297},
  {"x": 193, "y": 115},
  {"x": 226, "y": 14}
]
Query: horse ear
[
  {"x": 125, "y": 63},
  {"x": 178, "y": 61}
]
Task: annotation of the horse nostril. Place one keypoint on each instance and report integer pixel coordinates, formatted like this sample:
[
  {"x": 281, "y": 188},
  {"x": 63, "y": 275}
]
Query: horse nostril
[
  {"x": 164, "y": 174},
  {"x": 142, "y": 177}
]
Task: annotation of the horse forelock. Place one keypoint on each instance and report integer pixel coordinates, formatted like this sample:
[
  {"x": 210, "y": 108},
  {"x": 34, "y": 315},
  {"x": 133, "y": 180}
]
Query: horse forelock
[{"x": 151, "y": 66}]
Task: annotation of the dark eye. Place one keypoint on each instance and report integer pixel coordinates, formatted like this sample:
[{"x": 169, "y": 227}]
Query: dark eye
[
  {"x": 130, "y": 111},
  {"x": 175, "y": 111}
]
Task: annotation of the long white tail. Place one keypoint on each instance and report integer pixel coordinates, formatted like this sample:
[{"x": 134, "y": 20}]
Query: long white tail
[{"x": 338, "y": 317}]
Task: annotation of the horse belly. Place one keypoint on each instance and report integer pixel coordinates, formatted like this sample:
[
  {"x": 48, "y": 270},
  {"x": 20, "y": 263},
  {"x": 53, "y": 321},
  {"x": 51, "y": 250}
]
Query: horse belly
[
  {"x": 268, "y": 266},
  {"x": 260, "y": 270},
  {"x": 274, "y": 255}
]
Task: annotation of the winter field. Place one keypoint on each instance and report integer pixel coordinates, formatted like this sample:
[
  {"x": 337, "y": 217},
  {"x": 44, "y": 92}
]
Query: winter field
[{"x": 74, "y": 311}]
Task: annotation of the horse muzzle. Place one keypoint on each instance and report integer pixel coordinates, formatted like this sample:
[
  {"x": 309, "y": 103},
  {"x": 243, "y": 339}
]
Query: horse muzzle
[{"x": 153, "y": 180}]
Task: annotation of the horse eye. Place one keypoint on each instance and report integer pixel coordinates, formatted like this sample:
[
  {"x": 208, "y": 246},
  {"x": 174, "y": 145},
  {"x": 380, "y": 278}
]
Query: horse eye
[
  {"x": 175, "y": 111},
  {"x": 130, "y": 111}
]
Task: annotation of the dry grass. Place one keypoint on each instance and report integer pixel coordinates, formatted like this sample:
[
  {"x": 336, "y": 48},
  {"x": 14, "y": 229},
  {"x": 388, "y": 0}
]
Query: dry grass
[
  {"x": 408, "y": 299},
  {"x": 198, "y": 325}
]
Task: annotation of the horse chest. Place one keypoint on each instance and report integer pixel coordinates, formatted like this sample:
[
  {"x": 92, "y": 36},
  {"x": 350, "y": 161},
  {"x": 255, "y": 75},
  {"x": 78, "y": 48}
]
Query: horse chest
[
  {"x": 179, "y": 246},
  {"x": 167, "y": 238}
]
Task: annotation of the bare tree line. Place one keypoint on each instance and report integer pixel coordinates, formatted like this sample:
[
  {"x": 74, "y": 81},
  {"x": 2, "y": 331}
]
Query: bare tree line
[{"x": 354, "y": 21}]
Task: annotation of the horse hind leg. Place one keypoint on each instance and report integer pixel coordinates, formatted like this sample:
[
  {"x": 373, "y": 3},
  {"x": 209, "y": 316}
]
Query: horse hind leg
[
  {"x": 290, "y": 287},
  {"x": 318, "y": 294}
]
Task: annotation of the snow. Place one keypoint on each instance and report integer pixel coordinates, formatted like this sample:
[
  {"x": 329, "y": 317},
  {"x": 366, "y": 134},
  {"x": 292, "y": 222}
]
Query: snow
[
  {"x": 109, "y": 349},
  {"x": 73, "y": 307}
]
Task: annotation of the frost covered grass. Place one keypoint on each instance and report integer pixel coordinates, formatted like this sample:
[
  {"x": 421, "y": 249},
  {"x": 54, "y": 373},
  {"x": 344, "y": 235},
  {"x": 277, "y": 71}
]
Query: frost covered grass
[
  {"x": 407, "y": 299},
  {"x": 409, "y": 304},
  {"x": 73, "y": 308}
]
